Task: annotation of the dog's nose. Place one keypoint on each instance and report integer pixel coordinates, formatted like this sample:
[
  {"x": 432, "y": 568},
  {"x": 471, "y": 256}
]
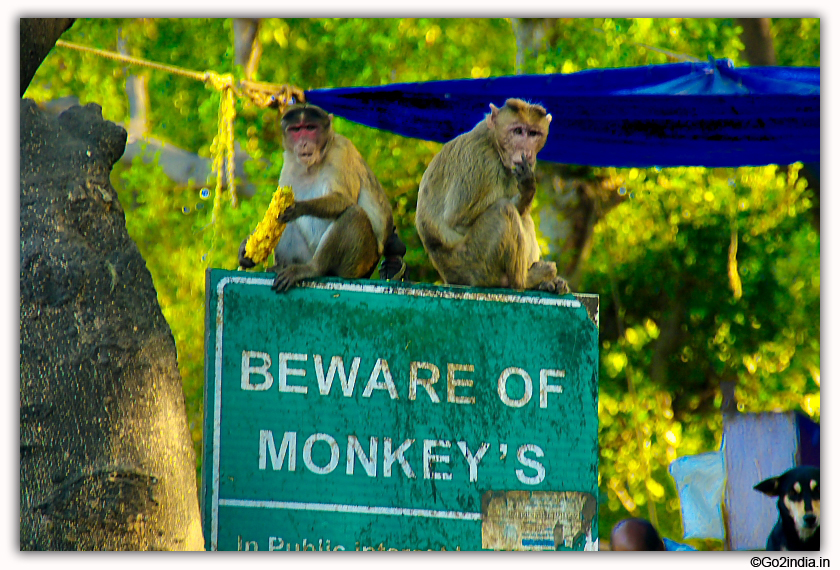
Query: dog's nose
[{"x": 809, "y": 520}]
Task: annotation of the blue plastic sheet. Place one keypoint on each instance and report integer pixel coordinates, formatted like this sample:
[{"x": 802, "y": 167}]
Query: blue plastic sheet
[
  {"x": 681, "y": 114},
  {"x": 700, "y": 483}
]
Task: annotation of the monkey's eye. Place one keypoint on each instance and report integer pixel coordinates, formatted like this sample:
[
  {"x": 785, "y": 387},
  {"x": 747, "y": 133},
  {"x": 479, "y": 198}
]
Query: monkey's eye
[
  {"x": 534, "y": 133},
  {"x": 297, "y": 129},
  {"x": 518, "y": 131}
]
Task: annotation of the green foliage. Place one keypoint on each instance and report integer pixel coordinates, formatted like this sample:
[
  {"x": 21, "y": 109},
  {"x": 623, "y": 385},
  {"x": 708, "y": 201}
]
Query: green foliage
[
  {"x": 797, "y": 40},
  {"x": 663, "y": 255},
  {"x": 674, "y": 322}
]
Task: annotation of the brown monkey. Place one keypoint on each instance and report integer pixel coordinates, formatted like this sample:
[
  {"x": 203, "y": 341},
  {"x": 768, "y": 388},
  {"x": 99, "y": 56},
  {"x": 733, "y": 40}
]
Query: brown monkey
[
  {"x": 474, "y": 203},
  {"x": 341, "y": 218}
]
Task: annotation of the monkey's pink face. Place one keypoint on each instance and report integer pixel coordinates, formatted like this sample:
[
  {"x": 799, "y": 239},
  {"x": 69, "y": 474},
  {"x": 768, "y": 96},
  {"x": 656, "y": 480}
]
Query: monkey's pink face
[
  {"x": 306, "y": 141},
  {"x": 522, "y": 143}
]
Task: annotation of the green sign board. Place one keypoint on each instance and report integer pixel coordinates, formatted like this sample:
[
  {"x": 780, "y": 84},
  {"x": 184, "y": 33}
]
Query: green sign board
[{"x": 368, "y": 415}]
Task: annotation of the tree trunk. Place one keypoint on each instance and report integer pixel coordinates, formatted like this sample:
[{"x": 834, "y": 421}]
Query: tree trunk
[
  {"x": 532, "y": 35},
  {"x": 758, "y": 43},
  {"x": 106, "y": 459},
  {"x": 37, "y": 38},
  {"x": 247, "y": 46}
]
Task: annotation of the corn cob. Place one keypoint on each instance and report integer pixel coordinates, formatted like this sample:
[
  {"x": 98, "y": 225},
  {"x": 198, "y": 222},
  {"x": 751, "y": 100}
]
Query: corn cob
[{"x": 267, "y": 233}]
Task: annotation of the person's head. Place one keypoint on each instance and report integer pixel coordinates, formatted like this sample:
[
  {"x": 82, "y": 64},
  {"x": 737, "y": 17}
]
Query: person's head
[{"x": 635, "y": 534}]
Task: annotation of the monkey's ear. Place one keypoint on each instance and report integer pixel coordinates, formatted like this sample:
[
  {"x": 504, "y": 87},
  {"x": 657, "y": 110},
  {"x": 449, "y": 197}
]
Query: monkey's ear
[
  {"x": 548, "y": 117},
  {"x": 330, "y": 118},
  {"x": 491, "y": 118}
]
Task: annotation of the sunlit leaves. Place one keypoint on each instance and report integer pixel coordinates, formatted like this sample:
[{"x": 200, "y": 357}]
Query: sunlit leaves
[
  {"x": 796, "y": 41},
  {"x": 668, "y": 247}
]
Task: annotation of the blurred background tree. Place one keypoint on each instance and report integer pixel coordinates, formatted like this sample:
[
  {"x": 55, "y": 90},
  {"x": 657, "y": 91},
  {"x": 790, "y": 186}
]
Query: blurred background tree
[{"x": 705, "y": 275}]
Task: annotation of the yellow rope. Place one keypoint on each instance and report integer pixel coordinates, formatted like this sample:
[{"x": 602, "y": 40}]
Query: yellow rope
[
  {"x": 133, "y": 60},
  {"x": 262, "y": 94},
  {"x": 222, "y": 147},
  {"x": 222, "y": 150}
]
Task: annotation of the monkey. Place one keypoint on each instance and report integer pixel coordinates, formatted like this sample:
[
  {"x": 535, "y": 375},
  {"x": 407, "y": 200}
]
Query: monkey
[
  {"x": 341, "y": 222},
  {"x": 474, "y": 203}
]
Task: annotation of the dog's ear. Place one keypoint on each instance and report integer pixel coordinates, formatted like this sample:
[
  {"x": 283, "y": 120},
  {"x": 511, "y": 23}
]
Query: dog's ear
[{"x": 769, "y": 487}]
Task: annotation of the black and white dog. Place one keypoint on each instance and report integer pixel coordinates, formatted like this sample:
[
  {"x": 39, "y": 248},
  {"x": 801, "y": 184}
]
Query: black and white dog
[{"x": 798, "y": 527}]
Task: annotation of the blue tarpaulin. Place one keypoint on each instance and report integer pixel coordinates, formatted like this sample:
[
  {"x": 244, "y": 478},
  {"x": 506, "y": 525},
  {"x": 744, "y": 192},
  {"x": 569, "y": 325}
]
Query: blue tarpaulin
[
  {"x": 701, "y": 480},
  {"x": 680, "y": 114}
]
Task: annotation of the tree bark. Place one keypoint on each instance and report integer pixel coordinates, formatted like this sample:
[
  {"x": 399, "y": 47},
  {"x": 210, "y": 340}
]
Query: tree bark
[
  {"x": 758, "y": 42},
  {"x": 106, "y": 459},
  {"x": 37, "y": 38},
  {"x": 247, "y": 46},
  {"x": 575, "y": 201},
  {"x": 532, "y": 35}
]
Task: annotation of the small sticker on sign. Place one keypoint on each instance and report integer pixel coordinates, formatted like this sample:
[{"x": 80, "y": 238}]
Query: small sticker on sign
[{"x": 538, "y": 520}]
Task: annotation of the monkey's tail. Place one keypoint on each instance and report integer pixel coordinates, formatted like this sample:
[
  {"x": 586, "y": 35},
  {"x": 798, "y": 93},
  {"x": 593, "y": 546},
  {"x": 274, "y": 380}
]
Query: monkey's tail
[
  {"x": 393, "y": 267},
  {"x": 394, "y": 246}
]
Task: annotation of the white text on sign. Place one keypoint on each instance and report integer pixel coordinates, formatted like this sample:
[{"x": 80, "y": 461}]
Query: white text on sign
[
  {"x": 435, "y": 452},
  {"x": 258, "y": 374}
]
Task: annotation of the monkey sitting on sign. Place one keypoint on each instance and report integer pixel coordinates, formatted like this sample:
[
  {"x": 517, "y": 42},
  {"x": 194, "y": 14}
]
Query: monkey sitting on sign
[
  {"x": 474, "y": 204},
  {"x": 341, "y": 222}
]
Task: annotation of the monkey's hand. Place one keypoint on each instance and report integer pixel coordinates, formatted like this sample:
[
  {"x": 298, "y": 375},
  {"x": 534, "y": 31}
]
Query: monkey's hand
[
  {"x": 557, "y": 285},
  {"x": 287, "y": 277},
  {"x": 527, "y": 184},
  {"x": 524, "y": 175},
  {"x": 292, "y": 212},
  {"x": 244, "y": 261}
]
